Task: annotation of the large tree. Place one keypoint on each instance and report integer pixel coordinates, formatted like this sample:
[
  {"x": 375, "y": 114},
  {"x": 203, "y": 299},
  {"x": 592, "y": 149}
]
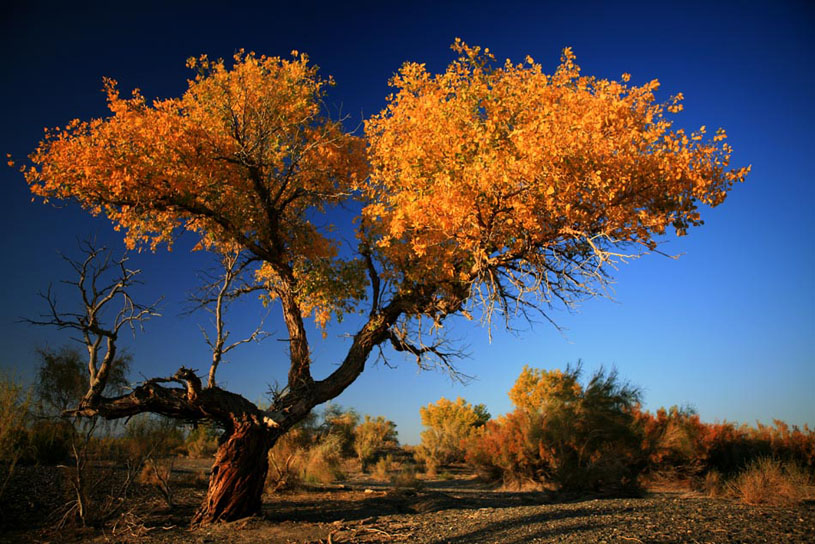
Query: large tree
[{"x": 485, "y": 188}]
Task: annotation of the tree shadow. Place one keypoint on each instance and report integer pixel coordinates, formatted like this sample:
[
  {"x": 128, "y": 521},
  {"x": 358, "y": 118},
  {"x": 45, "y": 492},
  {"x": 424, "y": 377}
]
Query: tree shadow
[
  {"x": 327, "y": 507},
  {"x": 515, "y": 530}
]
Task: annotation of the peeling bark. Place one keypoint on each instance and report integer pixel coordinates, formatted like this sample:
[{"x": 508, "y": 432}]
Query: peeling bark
[{"x": 238, "y": 475}]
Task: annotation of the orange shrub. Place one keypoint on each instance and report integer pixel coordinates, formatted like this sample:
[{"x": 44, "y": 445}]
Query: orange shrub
[
  {"x": 564, "y": 434},
  {"x": 677, "y": 442}
]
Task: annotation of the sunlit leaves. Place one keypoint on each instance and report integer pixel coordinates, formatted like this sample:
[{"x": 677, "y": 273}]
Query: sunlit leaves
[
  {"x": 484, "y": 169},
  {"x": 243, "y": 157}
]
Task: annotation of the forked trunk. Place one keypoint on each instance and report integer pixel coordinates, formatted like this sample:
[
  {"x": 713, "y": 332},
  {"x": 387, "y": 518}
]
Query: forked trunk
[{"x": 238, "y": 475}]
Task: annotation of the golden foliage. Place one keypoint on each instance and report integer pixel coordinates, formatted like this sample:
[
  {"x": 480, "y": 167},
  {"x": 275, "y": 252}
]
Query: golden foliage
[
  {"x": 239, "y": 159},
  {"x": 486, "y": 180},
  {"x": 486, "y": 168},
  {"x": 447, "y": 425}
]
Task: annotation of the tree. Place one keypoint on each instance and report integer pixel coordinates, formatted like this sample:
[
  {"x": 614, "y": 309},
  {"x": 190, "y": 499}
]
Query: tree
[
  {"x": 448, "y": 424},
  {"x": 372, "y": 436},
  {"x": 482, "y": 186},
  {"x": 63, "y": 378}
]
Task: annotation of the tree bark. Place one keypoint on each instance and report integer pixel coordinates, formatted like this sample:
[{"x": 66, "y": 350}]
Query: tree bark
[{"x": 238, "y": 474}]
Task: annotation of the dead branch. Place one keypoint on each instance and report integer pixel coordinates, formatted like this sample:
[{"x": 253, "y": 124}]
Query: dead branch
[
  {"x": 215, "y": 297},
  {"x": 101, "y": 282}
]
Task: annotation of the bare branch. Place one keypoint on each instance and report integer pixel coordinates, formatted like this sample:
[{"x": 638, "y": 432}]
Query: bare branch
[
  {"x": 98, "y": 268},
  {"x": 215, "y": 297}
]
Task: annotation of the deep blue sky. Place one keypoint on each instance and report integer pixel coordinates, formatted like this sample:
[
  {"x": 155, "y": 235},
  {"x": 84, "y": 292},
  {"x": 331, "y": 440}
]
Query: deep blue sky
[{"x": 729, "y": 328}]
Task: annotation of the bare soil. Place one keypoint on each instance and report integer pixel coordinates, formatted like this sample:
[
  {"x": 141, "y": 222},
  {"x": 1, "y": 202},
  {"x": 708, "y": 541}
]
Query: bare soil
[{"x": 460, "y": 510}]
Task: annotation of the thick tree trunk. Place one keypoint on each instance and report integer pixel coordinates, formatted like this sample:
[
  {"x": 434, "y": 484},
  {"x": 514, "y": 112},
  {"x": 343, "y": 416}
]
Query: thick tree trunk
[{"x": 238, "y": 475}]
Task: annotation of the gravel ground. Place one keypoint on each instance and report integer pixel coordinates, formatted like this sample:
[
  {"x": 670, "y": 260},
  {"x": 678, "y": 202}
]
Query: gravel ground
[{"x": 455, "y": 512}]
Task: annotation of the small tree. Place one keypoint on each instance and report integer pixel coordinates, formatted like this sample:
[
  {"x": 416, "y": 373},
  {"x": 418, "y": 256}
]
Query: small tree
[
  {"x": 486, "y": 187},
  {"x": 447, "y": 425},
  {"x": 62, "y": 379},
  {"x": 372, "y": 436}
]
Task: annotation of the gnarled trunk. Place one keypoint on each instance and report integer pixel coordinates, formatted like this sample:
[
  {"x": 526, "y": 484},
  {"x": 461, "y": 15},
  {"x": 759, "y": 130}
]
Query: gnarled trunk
[{"x": 238, "y": 474}]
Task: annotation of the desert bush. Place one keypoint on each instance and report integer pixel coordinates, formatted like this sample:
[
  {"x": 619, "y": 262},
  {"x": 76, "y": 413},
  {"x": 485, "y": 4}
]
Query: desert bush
[
  {"x": 149, "y": 436},
  {"x": 383, "y": 467},
  {"x": 301, "y": 456},
  {"x": 50, "y": 441},
  {"x": 157, "y": 473},
  {"x": 714, "y": 484},
  {"x": 673, "y": 442},
  {"x": 770, "y": 481},
  {"x": 564, "y": 434},
  {"x": 14, "y": 404},
  {"x": 285, "y": 459},
  {"x": 373, "y": 436},
  {"x": 202, "y": 441},
  {"x": 677, "y": 443},
  {"x": 62, "y": 379},
  {"x": 447, "y": 425},
  {"x": 340, "y": 423},
  {"x": 406, "y": 479},
  {"x": 323, "y": 461}
]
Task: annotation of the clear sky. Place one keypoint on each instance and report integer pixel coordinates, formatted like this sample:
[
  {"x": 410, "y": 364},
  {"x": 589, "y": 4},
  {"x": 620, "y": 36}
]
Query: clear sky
[{"x": 729, "y": 328}]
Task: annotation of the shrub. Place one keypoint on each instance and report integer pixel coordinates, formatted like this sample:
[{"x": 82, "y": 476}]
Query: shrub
[
  {"x": 323, "y": 461},
  {"x": 202, "y": 441},
  {"x": 62, "y": 378},
  {"x": 677, "y": 443},
  {"x": 50, "y": 441},
  {"x": 341, "y": 424},
  {"x": 406, "y": 480},
  {"x": 285, "y": 461},
  {"x": 157, "y": 474},
  {"x": 714, "y": 484},
  {"x": 770, "y": 481},
  {"x": 152, "y": 436},
  {"x": 384, "y": 466},
  {"x": 14, "y": 403},
  {"x": 372, "y": 436},
  {"x": 301, "y": 455},
  {"x": 564, "y": 434},
  {"x": 448, "y": 424}
]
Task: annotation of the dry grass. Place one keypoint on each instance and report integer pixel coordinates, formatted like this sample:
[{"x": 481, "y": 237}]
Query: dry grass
[
  {"x": 292, "y": 463},
  {"x": 383, "y": 468},
  {"x": 770, "y": 482},
  {"x": 323, "y": 462},
  {"x": 406, "y": 479},
  {"x": 714, "y": 484}
]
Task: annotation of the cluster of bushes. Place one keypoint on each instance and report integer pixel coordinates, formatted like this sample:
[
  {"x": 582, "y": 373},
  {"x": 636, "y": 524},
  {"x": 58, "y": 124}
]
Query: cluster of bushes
[
  {"x": 563, "y": 434},
  {"x": 571, "y": 435},
  {"x": 316, "y": 450},
  {"x": 679, "y": 445}
]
